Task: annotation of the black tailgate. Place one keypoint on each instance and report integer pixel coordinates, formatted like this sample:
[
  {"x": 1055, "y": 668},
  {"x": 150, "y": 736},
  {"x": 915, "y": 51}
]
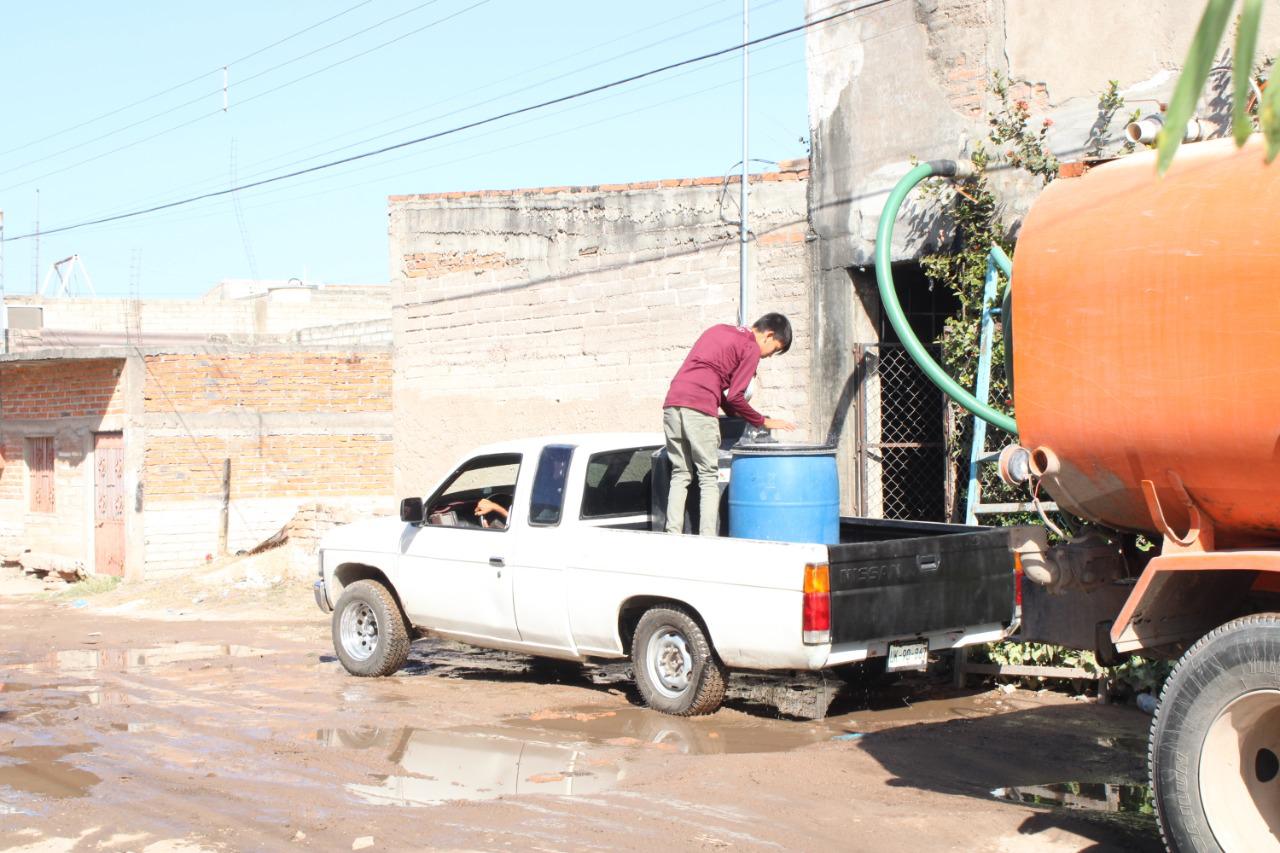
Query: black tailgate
[{"x": 905, "y": 587}]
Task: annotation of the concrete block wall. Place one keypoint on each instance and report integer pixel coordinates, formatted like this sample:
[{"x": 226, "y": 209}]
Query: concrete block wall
[
  {"x": 366, "y": 333},
  {"x": 68, "y": 401},
  {"x": 274, "y": 316},
  {"x": 567, "y": 309},
  {"x": 298, "y": 427}
]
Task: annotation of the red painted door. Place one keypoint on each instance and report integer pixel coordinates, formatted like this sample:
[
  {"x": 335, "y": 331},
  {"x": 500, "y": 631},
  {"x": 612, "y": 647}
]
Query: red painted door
[{"x": 108, "y": 512}]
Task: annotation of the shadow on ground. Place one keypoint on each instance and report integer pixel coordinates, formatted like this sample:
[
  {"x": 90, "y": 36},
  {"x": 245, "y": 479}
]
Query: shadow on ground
[{"x": 979, "y": 755}]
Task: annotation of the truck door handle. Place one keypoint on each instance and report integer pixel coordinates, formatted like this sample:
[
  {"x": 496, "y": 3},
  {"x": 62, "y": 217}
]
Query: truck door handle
[
  {"x": 927, "y": 562},
  {"x": 497, "y": 561}
]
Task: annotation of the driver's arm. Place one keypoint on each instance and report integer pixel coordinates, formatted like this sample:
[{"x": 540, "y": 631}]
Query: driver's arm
[{"x": 484, "y": 506}]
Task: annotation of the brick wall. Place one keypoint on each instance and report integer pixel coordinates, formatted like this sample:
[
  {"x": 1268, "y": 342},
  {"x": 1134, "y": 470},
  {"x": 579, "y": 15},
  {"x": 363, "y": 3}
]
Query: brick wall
[
  {"x": 12, "y": 490},
  {"x": 66, "y": 401},
  {"x": 568, "y": 309},
  {"x": 298, "y": 427},
  {"x": 269, "y": 382},
  {"x": 62, "y": 389},
  {"x": 183, "y": 468}
]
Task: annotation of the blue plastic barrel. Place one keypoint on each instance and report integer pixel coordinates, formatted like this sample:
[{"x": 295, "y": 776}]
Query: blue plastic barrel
[{"x": 785, "y": 493}]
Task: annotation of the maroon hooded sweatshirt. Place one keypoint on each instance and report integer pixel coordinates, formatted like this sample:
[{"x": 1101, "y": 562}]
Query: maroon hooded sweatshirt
[{"x": 723, "y": 359}]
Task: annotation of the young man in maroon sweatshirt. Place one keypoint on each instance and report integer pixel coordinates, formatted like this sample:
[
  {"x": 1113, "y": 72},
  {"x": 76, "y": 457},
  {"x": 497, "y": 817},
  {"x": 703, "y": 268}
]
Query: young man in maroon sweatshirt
[{"x": 714, "y": 375}]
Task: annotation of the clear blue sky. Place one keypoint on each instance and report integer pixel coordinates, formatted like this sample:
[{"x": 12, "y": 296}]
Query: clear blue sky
[{"x": 68, "y": 62}]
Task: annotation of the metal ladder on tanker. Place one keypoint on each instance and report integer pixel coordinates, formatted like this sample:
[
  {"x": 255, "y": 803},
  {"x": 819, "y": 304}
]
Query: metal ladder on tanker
[{"x": 997, "y": 261}]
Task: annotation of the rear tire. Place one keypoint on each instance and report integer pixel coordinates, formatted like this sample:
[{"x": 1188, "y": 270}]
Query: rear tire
[
  {"x": 369, "y": 634},
  {"x": 1215, "y": 742},
  {"x": 676, "y": 669}
]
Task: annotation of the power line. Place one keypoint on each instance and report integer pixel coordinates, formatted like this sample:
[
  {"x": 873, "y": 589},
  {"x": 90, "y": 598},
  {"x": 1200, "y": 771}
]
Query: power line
[
  {"x": 215, "y": 112},
  {"x": 463, "y": 127},
  {"x": 182, "y": 85},
  {"x": 522, "y": 75}
]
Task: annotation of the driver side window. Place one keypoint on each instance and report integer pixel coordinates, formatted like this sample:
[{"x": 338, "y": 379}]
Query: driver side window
[{"x": 478, "y": 495}]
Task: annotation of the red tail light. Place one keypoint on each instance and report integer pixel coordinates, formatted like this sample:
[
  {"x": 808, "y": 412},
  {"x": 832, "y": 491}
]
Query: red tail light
[
  {"x": 816, "y": 613},
  {"x": 1017, "y": 579}
]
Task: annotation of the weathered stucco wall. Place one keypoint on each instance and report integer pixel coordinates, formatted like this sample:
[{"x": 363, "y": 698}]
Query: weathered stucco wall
[
  {"x": 909, "y": 80},
  {"x": 569, "y": 309},
  {"x": 900, "y": 82}
]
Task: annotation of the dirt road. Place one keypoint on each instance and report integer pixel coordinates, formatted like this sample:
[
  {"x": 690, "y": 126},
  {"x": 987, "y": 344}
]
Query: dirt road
[{"x": 233, "y": 728}]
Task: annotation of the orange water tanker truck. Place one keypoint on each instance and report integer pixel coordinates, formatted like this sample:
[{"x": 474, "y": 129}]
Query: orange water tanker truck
[{"x": 1145, "y": 337}]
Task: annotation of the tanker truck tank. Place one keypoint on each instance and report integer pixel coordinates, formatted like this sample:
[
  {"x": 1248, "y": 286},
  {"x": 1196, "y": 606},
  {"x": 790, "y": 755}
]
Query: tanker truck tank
[
  {"x": 1146, "y": 381},
  {"x": 1148, "y": 339}
]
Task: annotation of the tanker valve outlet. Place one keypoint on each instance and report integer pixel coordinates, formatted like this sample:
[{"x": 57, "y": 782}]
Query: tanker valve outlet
[{"x": 1015, "y": 465}]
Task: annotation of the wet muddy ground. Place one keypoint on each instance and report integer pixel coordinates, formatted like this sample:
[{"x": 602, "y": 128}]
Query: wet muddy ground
[{"x": 123, "y": 732}]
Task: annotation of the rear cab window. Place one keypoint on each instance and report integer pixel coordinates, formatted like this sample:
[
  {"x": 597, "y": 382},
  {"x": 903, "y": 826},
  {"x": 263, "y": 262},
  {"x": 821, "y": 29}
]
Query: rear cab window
[{"x": 618, "y": 483}]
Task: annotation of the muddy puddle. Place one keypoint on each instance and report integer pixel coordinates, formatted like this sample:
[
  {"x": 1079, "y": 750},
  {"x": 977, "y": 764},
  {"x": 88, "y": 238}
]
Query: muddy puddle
[
  {"x": 892, "y": 710},
  {"x": 80, "y": 662},
  {"x": 562, "y": 753},
  {"x": 43, "y": 771}
]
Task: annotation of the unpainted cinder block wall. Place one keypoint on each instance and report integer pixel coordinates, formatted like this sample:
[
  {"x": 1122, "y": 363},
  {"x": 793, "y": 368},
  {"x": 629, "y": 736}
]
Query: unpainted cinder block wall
[
  {"x": 298, "y": 427},
  {"x": 568, "y": 309},
  {"x": 68, "y": 401}
]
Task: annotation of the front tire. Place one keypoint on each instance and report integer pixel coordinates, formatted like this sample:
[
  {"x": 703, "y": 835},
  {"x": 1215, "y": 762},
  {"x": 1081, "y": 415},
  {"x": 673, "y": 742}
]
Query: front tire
[
  {"x": 369, "y": 634},
  {"x": 676, "y": 669},
  {"x": 1215, "y": 742}
]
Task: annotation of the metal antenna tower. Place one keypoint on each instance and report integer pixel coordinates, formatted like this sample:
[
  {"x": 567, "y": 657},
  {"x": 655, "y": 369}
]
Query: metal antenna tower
[{"x": 65, "y": 270}]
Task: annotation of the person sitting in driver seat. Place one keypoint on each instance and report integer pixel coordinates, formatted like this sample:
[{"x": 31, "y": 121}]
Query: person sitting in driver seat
[{"x": 486, "y": 507}]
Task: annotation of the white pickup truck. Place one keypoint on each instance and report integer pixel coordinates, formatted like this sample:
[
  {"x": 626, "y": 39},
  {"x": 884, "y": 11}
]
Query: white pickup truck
[{"x": 574, "y": 572}]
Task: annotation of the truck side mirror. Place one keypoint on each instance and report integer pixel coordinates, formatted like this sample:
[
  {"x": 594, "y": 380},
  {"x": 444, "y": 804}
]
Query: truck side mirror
[{"x": 411, "y": 510}]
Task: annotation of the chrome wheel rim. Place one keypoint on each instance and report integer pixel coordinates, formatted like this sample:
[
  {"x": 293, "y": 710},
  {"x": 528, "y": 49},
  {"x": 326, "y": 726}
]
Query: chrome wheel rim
[
  {"x": 1240, "y": 773},
  {"x": 359, "y": 631},
  {"x": 669, "y": 663}
]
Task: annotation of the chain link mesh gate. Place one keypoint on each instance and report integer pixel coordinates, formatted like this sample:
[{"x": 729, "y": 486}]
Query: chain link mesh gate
[{"x": 902, "y": 465}]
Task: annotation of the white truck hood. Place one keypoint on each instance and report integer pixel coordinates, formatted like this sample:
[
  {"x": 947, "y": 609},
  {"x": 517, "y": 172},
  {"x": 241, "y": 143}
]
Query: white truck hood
[{"x": 372, "y": 534}]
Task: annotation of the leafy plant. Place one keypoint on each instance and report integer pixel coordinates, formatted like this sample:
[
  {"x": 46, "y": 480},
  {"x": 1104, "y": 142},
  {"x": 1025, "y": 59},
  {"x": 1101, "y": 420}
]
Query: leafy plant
[
  {"x": 1195, "y": 73},
  {"x": 1015, "y": 137}
]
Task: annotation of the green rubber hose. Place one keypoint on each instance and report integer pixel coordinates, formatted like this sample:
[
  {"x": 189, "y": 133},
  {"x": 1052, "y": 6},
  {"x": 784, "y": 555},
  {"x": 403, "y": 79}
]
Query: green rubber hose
[{"x": 893, "y": 308}]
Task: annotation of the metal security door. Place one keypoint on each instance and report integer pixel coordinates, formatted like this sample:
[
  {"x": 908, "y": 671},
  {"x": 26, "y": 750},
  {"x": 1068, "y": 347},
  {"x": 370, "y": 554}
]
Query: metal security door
[
  {"x": 902, "y": 449},
  {"x": 108, "y": 503}
]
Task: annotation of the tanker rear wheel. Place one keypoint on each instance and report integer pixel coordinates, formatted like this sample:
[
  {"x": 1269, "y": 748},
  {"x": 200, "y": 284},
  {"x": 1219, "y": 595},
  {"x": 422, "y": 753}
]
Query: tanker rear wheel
[{"x": 1215, "y": 742}]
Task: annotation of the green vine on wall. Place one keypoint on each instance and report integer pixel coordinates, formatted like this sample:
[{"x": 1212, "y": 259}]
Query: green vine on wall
[{"x": 1017, "y": 140}]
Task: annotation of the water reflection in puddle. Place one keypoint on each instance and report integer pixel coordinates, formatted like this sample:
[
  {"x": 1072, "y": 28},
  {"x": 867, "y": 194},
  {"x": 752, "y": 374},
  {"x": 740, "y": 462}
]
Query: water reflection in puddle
[
  {"x": 642, "y": 727},
  {"x": 443, "y": 766},
  {"x": 567, "y": 753},
  {"x": 81, "y": 661},
  {"x": 1090, "y": 796},
  {"x": 41, "y": 770}
]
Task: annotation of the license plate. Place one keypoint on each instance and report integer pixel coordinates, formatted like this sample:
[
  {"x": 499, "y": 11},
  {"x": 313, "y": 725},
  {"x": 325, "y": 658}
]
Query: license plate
[{"x": 906, "y": 656}]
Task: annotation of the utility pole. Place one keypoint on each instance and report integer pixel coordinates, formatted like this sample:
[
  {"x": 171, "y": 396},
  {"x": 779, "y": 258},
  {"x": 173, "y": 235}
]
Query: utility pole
[
  {"x": 744, "y": 229},
  {"x": 35, "y": 264}
]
